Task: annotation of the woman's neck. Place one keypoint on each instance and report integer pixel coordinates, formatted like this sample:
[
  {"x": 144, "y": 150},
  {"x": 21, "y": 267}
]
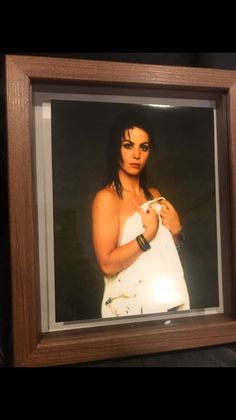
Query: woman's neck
[{"x": 130, "y": 183}]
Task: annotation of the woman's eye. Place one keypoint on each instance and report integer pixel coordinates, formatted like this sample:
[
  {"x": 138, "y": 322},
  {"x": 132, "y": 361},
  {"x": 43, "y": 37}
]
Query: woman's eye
[
  {"x": 127, "y": 145},
  {"x": 144, "y": 147}
]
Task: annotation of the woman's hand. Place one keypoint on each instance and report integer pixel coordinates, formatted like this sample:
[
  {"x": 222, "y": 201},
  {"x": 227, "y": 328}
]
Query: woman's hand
[
  {"x": 150, "y": 221},
  {"x": 170, "y": 218}
]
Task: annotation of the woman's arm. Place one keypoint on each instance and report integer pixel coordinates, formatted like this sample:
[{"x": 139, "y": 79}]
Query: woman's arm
[
  {"x": 170, "y": 219},
  {"x": 105, "y": 224}
]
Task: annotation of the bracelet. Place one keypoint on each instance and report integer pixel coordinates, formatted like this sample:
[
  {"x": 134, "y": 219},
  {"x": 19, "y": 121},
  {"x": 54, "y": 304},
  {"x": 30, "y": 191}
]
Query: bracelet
[
  {"x": 143, "y": 243},
  {"x": 180, "y": 242}
]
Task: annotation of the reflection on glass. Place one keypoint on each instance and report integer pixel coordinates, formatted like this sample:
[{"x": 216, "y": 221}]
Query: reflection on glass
[{"x": 183, "y": 167}]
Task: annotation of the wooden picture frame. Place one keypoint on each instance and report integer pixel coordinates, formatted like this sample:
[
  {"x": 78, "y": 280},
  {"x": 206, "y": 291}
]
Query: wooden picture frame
[{"x": 31, "y": 346}]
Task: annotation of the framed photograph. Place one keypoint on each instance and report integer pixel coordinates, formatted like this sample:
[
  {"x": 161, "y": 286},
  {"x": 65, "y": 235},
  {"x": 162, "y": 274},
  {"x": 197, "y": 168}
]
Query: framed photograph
[{"x": 60, "y": 114}]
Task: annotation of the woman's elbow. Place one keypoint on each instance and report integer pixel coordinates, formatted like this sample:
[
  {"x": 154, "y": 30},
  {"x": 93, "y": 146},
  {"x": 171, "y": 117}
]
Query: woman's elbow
[{"x": 107, "y": 269}]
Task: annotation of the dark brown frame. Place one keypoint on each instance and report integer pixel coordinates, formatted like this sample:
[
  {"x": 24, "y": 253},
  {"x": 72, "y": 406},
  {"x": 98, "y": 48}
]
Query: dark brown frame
[{"x": 33, "y": 348}]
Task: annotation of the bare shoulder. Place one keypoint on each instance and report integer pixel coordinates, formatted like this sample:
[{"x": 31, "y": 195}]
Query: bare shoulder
[
  {"x": 154, "y": 192},
  {"x": 105, "y": 198}
]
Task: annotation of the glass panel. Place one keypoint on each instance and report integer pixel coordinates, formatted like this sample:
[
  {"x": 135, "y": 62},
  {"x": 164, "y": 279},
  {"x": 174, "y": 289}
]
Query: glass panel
[{"x": 71, "y": 132}]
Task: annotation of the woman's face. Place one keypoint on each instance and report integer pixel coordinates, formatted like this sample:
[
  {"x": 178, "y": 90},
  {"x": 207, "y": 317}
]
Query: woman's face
[{"x": 135, "y": 149}]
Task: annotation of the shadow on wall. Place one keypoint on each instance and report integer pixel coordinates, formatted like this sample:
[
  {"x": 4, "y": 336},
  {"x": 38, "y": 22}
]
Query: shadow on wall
[
  {"x": 210, "y": 60},
  {"x": 168, "y": 59},
  {"x": 215, "y": 60}
]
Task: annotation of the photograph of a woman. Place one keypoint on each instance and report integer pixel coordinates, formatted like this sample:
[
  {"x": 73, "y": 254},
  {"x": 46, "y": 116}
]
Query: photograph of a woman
[
  {"x": 136, "y": 232},
  {"x": 134, "y": 209}
]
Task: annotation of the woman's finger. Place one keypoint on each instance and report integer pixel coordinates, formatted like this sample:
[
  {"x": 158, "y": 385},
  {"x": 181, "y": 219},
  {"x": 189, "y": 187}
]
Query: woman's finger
[{"x": 168, "y": 205}]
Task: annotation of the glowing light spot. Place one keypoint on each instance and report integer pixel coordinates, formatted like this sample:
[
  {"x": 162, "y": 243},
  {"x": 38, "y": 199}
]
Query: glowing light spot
[{"x": 164, "y": 290}]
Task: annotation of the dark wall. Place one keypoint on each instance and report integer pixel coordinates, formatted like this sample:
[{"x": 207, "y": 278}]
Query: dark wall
[{"x": 217, "y": 356}]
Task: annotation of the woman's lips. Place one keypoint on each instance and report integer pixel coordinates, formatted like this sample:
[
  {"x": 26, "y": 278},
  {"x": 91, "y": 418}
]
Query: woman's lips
[{"x": 135, "y": 165}]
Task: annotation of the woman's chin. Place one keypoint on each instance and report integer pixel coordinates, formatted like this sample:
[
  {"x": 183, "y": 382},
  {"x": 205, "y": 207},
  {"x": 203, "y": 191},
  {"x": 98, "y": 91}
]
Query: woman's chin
[{"x": 133, "y": 171}]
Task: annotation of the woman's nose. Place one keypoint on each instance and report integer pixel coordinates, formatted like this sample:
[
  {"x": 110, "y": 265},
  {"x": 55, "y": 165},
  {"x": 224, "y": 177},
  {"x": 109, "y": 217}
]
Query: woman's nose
[{"x": 136, "y": 152}]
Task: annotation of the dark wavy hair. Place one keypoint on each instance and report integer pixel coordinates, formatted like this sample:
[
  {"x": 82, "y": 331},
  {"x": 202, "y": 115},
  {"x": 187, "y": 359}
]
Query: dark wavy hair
[{"x": 123, "y": 122}]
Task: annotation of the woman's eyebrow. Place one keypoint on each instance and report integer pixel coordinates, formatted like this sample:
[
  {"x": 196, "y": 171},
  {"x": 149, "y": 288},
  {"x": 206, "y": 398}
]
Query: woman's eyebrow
[{"x": 130, "y": 141}]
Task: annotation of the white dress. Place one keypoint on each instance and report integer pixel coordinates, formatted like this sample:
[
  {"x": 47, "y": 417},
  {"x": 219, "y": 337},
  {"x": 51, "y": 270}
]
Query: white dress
[{"x": 154, "y": 282}]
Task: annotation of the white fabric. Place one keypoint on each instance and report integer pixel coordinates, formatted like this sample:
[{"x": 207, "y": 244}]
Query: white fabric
[{"x": 154, "y": 282}]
